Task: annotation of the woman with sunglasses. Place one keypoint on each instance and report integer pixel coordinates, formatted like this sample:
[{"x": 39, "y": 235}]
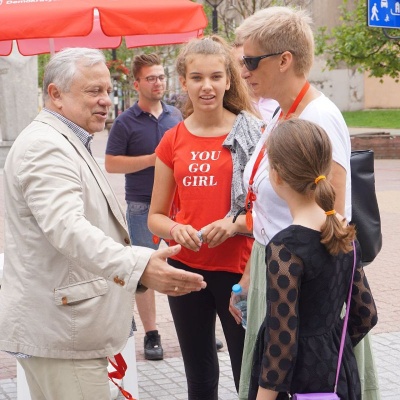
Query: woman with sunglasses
[{"x": 278, "y": 55}]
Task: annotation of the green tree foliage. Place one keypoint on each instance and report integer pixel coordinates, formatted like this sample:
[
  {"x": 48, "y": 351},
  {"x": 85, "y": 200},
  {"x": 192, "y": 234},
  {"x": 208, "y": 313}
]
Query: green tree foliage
[
  {"x": 228, "y": 11},
  {"x": 43, "y": 59},
  {"x": 359, "y": 46}
]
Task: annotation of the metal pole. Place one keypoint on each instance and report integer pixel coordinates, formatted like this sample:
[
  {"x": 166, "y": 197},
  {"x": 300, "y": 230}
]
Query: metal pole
[
  {"x": 114, "y": 57},
  {"x": 385, "y": 32},
  {"x": 214, "y": 4},
  {"x": 115, "y": 98},
  {"x": 215, "y": 20}
]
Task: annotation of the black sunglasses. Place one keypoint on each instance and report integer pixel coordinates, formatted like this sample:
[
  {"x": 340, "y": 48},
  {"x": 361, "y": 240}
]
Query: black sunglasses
[{"x": 251, "y": 63}]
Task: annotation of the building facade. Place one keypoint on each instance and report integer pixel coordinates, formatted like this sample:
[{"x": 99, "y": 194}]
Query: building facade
[{"x": 348, "y": 89}]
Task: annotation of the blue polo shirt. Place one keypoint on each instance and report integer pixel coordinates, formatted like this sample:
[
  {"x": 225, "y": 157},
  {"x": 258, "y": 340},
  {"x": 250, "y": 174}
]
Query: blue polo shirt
[{"x": 136, "y": 133}]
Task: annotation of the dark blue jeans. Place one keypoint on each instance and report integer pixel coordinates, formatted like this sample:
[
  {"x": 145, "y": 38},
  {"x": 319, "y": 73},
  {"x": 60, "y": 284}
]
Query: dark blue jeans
[{"x": 136, "y": 216}]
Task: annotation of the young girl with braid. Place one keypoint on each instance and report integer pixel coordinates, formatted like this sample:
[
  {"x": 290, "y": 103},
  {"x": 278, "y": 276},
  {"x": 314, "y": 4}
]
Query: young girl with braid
[{"x": 309, "y": 267}]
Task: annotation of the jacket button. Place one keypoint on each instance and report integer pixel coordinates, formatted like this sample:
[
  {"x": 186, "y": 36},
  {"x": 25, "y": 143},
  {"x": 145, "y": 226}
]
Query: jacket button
[
  {"x": 121, "y": 282},
  {"x": 127, "y": 241},
  {"x": 64, "y": 301},
  {"x": 116, "y": 279}
]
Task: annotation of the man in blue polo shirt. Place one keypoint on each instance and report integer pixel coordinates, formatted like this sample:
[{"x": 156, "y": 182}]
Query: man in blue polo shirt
[{"x": 130, "y": 150}]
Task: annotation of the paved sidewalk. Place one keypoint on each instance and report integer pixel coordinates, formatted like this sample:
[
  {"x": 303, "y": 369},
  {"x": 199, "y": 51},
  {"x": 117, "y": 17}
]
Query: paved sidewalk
[{"x": 166, "y": 379}]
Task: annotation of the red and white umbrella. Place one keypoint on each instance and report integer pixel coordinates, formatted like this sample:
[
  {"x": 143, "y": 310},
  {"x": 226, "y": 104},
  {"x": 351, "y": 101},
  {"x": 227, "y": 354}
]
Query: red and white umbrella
[{"x": 47, "y": 26}]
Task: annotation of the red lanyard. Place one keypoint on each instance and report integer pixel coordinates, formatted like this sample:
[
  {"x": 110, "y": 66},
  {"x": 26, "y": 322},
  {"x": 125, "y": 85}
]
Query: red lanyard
[
  {"x": 251, "y": 196},
  {"x": 120, "y": 366},
  {"x": 297, "y": 101}
]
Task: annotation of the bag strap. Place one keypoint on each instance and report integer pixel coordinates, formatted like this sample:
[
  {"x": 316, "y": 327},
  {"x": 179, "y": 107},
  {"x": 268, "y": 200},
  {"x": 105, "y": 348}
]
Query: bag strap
[
  {"x": 276, "y": 111},
  {"x": 346, "y": 318}
]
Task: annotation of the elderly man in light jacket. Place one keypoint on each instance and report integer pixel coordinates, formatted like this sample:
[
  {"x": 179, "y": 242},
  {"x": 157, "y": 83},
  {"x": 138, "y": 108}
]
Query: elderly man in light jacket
[{"x": 70, "y": 273}]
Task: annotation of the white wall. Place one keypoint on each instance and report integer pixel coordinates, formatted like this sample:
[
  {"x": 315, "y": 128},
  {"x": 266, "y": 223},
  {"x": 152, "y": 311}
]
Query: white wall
[
  {"x": 344, "y": 87},
  {"x": 18, "y": 97}
]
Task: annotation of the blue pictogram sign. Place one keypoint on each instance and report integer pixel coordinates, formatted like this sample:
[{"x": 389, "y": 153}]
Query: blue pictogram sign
[{"x": 384, "y": 13}]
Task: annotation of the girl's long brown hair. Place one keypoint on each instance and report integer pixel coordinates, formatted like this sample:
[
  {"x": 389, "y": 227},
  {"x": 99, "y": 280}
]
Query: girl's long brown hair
[{"x": 300, "y": 151}]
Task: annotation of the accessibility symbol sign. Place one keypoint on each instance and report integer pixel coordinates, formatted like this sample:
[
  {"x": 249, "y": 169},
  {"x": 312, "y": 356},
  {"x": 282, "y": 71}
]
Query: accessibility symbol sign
[{"x": 384, "y": 13}]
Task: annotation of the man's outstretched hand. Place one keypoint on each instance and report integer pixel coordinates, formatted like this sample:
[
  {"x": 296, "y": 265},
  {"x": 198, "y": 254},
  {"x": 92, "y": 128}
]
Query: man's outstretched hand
[{"x": 164, "y": 278}]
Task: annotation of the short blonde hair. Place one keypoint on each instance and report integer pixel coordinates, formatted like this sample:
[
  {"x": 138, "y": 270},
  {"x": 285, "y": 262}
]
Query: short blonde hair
[{"x": 279, "y": 29}]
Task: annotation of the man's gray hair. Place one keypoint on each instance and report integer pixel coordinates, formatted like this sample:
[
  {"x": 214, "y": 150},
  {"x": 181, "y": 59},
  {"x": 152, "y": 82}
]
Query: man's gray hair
[{"x": 63, "y": 65}]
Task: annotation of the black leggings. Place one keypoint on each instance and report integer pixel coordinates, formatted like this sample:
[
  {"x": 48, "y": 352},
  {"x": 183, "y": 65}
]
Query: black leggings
[{"x": 194, "y": 317}]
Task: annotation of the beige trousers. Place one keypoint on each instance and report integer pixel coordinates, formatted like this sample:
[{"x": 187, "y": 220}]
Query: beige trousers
[{"x": 53, "y": 378}]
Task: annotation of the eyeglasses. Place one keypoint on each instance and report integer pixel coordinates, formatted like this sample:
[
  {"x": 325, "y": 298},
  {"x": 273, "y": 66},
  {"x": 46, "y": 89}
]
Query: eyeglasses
[
  {"x": 251, "y": 63},
  {"x": 153, "y": 78}
]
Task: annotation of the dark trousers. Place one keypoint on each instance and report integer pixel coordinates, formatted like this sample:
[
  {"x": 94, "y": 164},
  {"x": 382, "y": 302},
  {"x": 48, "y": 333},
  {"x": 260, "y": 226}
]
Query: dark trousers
[{"x": 194, "y": 317}]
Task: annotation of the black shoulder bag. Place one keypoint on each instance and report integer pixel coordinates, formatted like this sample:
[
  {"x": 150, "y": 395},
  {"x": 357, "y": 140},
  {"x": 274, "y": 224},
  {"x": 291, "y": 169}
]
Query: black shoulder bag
[{"x": 365, "y": 210}]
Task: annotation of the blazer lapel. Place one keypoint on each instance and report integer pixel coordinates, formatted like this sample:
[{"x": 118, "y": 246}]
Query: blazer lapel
[
  {"x": 98, "y": 174},
  {"x": 104, "y": 185}
]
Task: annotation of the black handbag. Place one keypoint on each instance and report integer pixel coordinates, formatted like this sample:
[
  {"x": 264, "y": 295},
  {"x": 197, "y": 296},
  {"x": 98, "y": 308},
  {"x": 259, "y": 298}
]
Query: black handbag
[{"x": 365, "y": 210}]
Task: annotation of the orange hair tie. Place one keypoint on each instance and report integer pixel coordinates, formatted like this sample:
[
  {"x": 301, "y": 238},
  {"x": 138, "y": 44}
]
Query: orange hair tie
[
  {"x": 332, "y": 212},
  {"x": 319, "y": 178}
]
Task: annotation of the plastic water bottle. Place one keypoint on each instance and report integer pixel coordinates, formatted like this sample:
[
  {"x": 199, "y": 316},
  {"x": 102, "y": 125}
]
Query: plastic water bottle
[{"x": 240, "y": 302}]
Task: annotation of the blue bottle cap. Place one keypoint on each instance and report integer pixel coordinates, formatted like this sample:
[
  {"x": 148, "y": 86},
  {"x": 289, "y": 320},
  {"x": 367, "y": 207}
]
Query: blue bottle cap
[{"x": 236, "y": 288}]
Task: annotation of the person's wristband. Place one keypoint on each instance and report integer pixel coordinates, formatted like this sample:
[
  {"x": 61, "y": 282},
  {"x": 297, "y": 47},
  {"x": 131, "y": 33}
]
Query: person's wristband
[{"x": 170, "y": 231}]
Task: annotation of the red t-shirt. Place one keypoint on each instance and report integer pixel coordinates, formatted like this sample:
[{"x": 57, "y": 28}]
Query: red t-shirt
[{"x": 203, "y": 173}]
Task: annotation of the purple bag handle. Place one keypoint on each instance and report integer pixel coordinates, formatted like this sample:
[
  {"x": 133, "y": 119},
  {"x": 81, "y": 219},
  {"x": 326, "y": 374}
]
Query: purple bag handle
[{"x": 346, "y": 318}]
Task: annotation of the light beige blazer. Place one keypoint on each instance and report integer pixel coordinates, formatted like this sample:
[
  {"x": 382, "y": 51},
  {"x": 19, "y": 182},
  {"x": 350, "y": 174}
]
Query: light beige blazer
[{"x": 69, "y": 271}]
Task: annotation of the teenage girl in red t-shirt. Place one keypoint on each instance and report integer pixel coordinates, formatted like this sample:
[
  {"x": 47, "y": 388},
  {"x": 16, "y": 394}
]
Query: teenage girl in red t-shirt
[{"x": 202, "y": 159}]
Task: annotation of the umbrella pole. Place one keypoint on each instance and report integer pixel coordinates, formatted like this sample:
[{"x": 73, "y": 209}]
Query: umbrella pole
[
  {"x": 52, "y": 47},
  {"x": 115, "y": 84}
]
